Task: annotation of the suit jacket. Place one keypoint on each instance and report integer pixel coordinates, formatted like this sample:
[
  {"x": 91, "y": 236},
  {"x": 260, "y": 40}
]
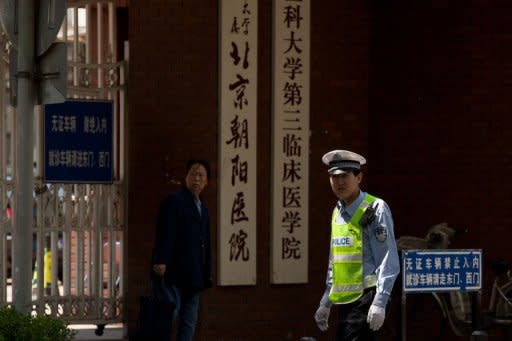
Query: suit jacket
[{"x": 182, "y": 242}]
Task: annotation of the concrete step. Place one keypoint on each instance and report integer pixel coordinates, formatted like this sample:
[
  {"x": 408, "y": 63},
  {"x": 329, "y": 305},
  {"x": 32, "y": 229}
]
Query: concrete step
[{"x": 86, "y": 332}]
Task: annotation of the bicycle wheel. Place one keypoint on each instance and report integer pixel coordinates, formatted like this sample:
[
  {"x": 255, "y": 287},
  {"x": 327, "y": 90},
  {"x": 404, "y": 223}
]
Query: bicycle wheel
[
  {"x": 456, "y": 309},
  {"x": 504, "y": 302}
]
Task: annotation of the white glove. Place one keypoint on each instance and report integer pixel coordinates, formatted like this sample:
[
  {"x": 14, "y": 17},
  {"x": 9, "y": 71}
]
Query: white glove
[
  {"x": 376, "y": 317},
  {"x": 322, "y": 317}
]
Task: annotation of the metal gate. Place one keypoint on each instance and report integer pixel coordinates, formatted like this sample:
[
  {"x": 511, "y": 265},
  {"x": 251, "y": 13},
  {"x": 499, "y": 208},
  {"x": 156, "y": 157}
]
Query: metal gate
[{"x": 78, "y": 229}]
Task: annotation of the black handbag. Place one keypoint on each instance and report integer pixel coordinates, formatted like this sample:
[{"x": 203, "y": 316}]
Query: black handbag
[{"x": 155, "y": 313}]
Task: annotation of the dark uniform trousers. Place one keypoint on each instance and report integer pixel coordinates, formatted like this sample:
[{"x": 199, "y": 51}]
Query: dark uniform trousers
[{"x": 352, "y": 325}]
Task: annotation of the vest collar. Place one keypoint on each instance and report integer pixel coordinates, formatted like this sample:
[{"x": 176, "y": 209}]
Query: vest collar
[{"x": 351, "y": 209}]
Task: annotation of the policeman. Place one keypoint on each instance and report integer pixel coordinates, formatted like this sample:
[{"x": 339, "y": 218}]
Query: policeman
[{"x": 363, "y": 259}]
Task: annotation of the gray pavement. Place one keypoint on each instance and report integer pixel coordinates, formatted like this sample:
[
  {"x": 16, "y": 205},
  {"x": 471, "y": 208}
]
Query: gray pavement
[{"x": 112, "y": 332}]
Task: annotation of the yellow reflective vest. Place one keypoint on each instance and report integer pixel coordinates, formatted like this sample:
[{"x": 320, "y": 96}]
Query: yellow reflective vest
[{"x": 347, "y": 257}]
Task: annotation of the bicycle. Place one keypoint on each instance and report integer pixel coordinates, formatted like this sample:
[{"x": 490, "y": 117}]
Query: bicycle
[{"x": 456, "y": 306}]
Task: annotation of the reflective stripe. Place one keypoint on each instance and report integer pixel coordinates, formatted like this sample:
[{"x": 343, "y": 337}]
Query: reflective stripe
[
  {"x": 364, "y": 205},
  {"x": 369, "y": 281},
  {"x": 354, "y": 257},
  {"x": 346, "y": 288}
]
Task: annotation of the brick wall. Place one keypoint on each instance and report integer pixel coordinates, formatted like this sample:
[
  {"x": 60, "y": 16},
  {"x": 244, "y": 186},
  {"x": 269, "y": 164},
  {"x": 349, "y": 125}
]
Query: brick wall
[
  {"x": 421, "y": 89},
  {"x": 440, "y": 116},
  {"x": 173, "y": 115}
]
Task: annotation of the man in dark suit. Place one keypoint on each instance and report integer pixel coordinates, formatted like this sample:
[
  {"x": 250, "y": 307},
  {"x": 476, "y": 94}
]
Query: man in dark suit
[{"x": 182, "y": 253}]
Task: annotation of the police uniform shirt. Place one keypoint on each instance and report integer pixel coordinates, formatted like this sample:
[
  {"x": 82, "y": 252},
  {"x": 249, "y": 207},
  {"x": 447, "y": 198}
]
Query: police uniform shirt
[{"x": 380, "y": 256}]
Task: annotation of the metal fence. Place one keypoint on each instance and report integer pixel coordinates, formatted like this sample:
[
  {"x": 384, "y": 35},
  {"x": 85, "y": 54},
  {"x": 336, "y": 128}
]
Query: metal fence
[{"x": 78, "y": 229}]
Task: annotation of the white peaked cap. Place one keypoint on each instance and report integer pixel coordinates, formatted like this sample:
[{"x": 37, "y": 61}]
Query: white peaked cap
[{"x": 342, "y": 161}]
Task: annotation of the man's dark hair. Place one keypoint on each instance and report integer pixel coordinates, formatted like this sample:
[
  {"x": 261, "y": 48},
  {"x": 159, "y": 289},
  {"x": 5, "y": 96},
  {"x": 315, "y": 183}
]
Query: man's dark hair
[{"x": 203, "y": 163}]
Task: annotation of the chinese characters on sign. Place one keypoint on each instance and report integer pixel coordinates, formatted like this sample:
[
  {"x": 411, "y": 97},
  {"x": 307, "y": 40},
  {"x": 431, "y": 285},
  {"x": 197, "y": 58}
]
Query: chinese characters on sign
[
  {"x": 441, "y": 270},
  {"x": 290, "y": 154},
  {"x": 237, "y": 143},
  {"x": 78, "y": 142}
]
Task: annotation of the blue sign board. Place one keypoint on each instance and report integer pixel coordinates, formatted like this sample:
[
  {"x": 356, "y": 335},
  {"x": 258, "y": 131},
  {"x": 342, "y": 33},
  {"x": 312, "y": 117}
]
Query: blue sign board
[
  {"x": 78, "y": 142},
  {"x": 441, "y": 270}
]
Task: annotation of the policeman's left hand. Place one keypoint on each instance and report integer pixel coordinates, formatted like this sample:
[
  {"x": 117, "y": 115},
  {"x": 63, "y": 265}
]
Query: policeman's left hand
[
  {"x": 322, "y": 317},
  {"x": 376, "y": 317}
]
